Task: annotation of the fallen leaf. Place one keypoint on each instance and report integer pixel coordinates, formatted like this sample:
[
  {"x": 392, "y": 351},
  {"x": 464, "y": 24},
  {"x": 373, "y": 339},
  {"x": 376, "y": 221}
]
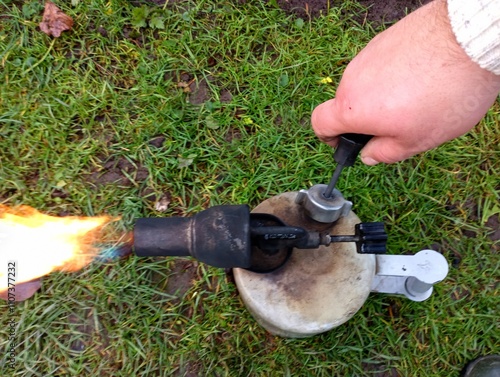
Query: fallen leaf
[
  {"x": 186, "y": 86},
  {"x": 284, "y": 80},
  {"x": 54, "y": 20},
  {"x": 211, "y": 122},
  {"x": 22, "y": 291},
  {"x": 162, "y": 204},
  {"x": 185, "y": 162},
  {"x": 61, "y": 184}
]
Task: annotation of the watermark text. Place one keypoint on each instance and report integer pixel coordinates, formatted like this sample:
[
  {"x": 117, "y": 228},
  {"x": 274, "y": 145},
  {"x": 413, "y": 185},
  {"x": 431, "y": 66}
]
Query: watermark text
[{"x": 11, "y": 322}]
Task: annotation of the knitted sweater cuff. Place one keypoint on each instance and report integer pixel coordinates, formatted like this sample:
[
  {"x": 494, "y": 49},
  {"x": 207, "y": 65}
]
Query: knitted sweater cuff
[{"x": 476, "y": 25}]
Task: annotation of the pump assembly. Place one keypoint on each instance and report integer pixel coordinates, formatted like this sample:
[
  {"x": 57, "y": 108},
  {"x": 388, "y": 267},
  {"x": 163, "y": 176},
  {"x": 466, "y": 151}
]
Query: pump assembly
[
  {"x": 231, "y": 236},
  {"x": 303, "y": 261}
]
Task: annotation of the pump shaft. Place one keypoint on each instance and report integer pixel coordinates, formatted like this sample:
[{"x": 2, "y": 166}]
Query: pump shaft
[{"x": 345, "y": 155}]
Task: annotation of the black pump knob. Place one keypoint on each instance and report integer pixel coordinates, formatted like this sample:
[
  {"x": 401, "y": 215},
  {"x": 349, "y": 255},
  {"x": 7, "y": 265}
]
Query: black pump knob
[
  {"x": 372, "y": 238},
  {"x": 349, "y": 147},
  {"x": 345, "y": 155}
]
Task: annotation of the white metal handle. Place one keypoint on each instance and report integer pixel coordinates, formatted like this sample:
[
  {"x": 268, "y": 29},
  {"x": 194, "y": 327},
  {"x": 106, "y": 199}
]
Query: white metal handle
[{"x": 410, "y": 275}]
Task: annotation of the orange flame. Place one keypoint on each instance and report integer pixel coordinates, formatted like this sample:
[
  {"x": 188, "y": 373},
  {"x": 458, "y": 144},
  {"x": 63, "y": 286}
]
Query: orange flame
[{"x": 40, "y": 244}]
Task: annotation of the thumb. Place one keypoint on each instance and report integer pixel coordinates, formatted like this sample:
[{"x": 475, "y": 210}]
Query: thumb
[
  {"x": 327, "y": 122},
  {"x": 384, "y": 149}
]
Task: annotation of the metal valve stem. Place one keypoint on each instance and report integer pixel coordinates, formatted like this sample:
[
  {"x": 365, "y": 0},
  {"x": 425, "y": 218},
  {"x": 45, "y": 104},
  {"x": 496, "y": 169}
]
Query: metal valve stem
[
  {"x": 333, "y": 182},
  {"x": 345, "y": 155}
]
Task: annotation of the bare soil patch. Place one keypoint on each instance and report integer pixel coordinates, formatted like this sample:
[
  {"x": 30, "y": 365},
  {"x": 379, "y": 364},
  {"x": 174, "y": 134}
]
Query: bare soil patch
[{"x": 379, "y": 11}]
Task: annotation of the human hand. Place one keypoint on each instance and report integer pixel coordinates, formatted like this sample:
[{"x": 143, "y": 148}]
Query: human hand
[
  {"x": 412, "y": 87},
  {"x": 22, "y": 291}
]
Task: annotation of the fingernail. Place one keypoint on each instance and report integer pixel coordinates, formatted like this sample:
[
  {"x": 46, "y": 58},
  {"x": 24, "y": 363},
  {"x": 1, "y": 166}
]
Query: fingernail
[{"x": 369, "y": 161}]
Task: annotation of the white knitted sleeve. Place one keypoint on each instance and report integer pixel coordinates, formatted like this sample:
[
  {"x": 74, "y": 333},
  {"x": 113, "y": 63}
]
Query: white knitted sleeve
[{"x": 476, "y": 25}]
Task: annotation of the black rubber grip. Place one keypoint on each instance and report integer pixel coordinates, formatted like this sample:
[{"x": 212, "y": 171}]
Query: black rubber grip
[{"x": 349, "y": 147}]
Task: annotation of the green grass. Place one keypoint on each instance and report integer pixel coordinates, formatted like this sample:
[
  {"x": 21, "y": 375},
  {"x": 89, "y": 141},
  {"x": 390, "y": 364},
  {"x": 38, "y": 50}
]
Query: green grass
[{"x": 102, "y": 91}]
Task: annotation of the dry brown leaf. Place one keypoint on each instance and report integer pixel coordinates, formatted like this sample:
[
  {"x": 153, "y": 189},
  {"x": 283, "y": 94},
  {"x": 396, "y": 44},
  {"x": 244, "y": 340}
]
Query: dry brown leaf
[
  {"x": 54, "y": 20},
  {"x": 162, "y": 204},
  {"x": 185, "y": 86},
  {"x": 23, "y": 291}
]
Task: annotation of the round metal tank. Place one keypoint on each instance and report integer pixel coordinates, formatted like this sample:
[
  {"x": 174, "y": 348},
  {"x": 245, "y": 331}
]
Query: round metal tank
[{"x": 317, "y": 289}]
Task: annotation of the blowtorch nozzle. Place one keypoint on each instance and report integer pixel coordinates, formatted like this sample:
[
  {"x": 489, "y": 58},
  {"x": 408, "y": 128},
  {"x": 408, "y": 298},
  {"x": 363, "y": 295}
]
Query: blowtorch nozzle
[{"x": 218, "y": 236}]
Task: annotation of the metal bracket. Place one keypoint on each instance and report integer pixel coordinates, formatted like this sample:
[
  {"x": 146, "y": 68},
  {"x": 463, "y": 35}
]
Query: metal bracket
[
  {"x": 409, "y": 275},
  {"x": 320, "y": 208}
]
